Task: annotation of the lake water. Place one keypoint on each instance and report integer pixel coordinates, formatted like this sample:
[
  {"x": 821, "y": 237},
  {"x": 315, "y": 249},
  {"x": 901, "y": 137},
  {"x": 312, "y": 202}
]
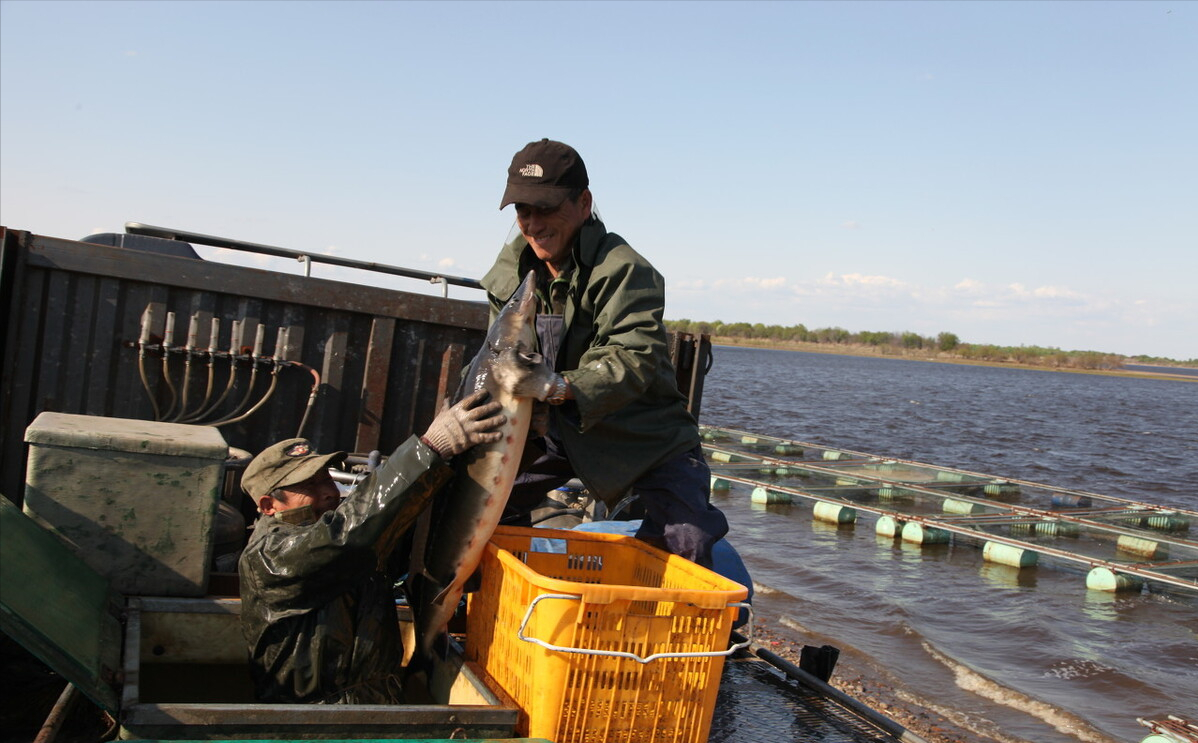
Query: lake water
[{"x": 1016, "y": 656}]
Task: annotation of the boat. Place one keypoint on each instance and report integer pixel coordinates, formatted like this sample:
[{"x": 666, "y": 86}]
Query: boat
[{"x": 129, "y": 354}]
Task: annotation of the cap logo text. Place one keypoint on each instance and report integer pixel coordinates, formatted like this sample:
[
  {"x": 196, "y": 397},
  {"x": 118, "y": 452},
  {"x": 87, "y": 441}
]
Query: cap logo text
[{"x": 532, "y": 170}]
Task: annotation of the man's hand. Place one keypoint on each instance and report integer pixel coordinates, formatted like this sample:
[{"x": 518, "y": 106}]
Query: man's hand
[
  {"x": 466, "y": 424},
  {"x": 524, "y": 374}
]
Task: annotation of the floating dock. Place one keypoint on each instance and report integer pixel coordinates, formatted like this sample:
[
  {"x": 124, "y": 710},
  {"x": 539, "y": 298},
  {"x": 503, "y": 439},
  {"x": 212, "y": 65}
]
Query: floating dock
[{"x": 1122, "y": 544}]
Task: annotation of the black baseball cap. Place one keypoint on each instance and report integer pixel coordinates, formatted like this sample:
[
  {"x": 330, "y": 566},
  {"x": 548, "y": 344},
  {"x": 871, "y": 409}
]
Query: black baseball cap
[{"x": 543, "y": 174}]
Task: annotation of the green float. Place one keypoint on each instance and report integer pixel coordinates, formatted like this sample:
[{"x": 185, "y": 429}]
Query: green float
[
  {"x": 1001, "y": 488},
  {"x": 946, "y": 476},
  {"x": 1005, "y": 554},
  {"x": 834, "y": 513},
  {"x": 1168, "y": 523},
  {"x": 765, "y": 495},
  {"x": 832, "y": 456},
  {"x": 1058, "y": 529},
  {"x": 788, "y": 450},
  {"x": 1105, "y": 579},
  {"x": 917, "y": 533},
  {"x": 888, "y": 526},
  {"x": 720, "y": 485},
  {"x": 1140, "y": 547},
  {"x": 951, "y": 505}
]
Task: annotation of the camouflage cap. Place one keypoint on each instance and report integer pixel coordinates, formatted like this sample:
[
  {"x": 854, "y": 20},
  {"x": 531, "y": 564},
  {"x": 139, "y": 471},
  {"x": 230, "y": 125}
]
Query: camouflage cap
[{"x": 286, "y": 463}]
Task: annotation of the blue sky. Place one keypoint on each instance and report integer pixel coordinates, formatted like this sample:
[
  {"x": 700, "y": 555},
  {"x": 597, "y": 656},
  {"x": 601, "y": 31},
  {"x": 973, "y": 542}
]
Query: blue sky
[{"x": 1013, "y": 172}]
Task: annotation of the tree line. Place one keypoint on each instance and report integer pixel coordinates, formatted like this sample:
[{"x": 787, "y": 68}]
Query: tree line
[{"x": 943, "y": 345}]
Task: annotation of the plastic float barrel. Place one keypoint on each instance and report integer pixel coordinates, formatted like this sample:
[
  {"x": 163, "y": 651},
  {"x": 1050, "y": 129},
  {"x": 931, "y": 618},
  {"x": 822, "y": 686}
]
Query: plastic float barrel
[
  {"x": 832, "y": 456},
  {"x": 1105, "y": 579},
  {"x": 1005, "y": 554},
  {"x": 765, "y": 495},
  {"x": 787, "y": 450},
  {"x": 834, "y": 513},
  {"x": 710, "y": 435},
  {"x": 781, "y": 472},
  {"x": 915, "y": 532},
  {"x": 1070, "y": 500},
  {"x": 1001, "y": 488},
  {"x": 887, "y": 492},
  {"x": 1168, "y": 523},
  {"x": 1139, "y": 546},
  {"x": 952, "y": 505},
  {"x": 1156, "y": 738},
  {"x": 845, "y": 482},
  {"x": 945, "y": 476},
  {"x": 720, "y": 485},
  {"x": 887, "y": 465},
  {"x": 727, "y": 456},
  {"x": 888, "y": 526},
  {"x": 1058, "y": 529}
]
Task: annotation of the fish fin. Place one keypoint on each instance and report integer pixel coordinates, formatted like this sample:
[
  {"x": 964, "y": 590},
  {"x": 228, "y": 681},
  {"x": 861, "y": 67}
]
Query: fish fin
[
  {"x": 440, "y": 598},
  {"x": 474, "y": 582}
]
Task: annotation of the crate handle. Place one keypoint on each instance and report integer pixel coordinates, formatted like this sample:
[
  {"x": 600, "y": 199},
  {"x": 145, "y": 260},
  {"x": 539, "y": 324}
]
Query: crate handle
[{"x": 619, "y": 653}]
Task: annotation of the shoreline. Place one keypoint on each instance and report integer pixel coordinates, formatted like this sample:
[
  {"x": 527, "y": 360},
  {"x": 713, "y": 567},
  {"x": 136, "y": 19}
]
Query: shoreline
[
  {"x": 865, "y": 684},
  {"x": 870, "y": 352}
]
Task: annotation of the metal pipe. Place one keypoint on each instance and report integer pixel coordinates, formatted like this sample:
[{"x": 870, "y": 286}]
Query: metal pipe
[
  {"x": 188, "y": 354},
  {"x": 136, "y": 228},
  {"x": 168, "y": 340},
  {"x": 311, "y": 397},
  {"x": 255, "y": 355},
  {"x": 58, "y": 715},
  {"x": 213, "y": 335},
  {"x": 825, "y": 689},
  {"x": 147, "y": 322}
]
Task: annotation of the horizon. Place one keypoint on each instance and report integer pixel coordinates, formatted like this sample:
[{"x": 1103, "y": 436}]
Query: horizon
[{"x": 1015, "y": 173}]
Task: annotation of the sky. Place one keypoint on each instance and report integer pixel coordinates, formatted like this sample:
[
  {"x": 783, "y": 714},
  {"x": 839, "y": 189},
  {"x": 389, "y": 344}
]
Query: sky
[{"x": 1016, "y": 173}]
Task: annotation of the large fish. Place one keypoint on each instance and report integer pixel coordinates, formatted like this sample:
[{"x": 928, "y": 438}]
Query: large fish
[{"x": 465, "y": 514}]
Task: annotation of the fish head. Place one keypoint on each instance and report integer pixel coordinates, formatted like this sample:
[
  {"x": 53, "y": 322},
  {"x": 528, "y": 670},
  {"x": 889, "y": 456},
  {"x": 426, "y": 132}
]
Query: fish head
[
  {"x": 512, "y": 333},
  {"x": 518, "y": 316},
  {"x": 515, "y": 325}
]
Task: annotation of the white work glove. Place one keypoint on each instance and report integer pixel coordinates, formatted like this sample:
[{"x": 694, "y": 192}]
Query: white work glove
[
  {"x": 466, "y": 424},
  {"x": 523, "y": 374}
]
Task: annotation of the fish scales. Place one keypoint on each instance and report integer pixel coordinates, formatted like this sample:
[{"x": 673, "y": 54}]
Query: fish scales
[{"x": 466, "y": 513}]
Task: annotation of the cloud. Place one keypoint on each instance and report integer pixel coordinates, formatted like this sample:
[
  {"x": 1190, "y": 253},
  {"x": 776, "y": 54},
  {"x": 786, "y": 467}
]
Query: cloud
[
  {"x": 850, "y": 225},
  {"x": 446, "y": 263},
  {"x": 857, "y": 279}
]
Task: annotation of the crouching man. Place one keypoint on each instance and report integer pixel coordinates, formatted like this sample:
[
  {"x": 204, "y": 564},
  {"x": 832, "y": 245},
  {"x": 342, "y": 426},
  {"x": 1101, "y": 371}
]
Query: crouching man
[{"x": 318, "y": 611}]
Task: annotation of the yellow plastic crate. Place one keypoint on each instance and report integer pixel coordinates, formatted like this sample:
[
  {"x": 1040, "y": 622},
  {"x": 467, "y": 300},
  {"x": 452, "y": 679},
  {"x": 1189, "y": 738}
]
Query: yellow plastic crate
[{"x": 576, "y": 637}]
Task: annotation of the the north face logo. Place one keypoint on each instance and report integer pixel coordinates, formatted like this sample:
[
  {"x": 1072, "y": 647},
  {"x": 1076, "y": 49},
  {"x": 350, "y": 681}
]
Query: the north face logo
[{"x": 532, "y": 170}]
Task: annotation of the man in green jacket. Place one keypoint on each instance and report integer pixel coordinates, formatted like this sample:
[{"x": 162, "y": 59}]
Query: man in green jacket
[
  {"x": 318, "y": 609},
  {"x": 616, "y": 418}
]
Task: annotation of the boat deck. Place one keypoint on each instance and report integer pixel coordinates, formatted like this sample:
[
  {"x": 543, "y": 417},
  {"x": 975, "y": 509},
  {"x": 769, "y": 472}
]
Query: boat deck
[{"x": 760, "y": 702}]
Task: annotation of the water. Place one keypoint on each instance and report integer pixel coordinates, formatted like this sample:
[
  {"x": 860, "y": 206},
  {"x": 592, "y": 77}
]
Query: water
[{"x": 1016, "y": 656}]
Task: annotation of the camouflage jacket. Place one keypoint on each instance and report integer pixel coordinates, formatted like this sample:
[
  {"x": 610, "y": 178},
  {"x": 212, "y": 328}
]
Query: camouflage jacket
[
  {"x": 317, "y": 606},
  {"x": 627, "y": 415}
]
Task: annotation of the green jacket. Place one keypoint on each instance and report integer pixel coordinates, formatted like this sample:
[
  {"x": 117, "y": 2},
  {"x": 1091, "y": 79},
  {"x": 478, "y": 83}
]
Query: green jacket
[
  {"x": 628, "y": 415},
  {"x": 317, "y": 606}
]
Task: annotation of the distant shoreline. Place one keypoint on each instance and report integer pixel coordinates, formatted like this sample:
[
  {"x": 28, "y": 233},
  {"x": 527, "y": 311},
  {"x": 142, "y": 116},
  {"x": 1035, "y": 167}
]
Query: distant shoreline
[{"x": 841, "y": 349}]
